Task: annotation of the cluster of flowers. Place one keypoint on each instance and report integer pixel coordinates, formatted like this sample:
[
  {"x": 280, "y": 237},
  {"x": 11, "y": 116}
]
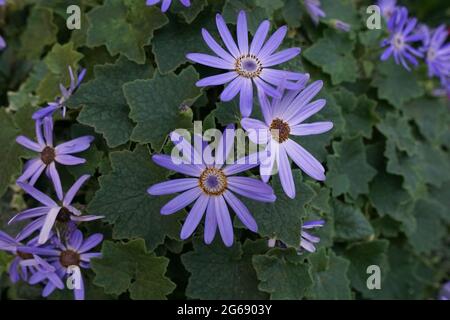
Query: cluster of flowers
[
  {"x": 431, "y": 43},
  {"x": 285, "y": 100},
  {"x": 57, "y": 252}
]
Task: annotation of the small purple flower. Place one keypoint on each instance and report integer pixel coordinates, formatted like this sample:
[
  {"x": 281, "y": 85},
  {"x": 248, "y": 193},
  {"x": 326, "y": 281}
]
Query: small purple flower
[
  {"x": 309, "y": 241},
  {"x": 49, "y": 155},
  {"x": 444, "y": 293},
  {"x": 247, "y": 64},
  {"x": 24, "y": 264},
  {"x": 66, "y": 93},
  {"x": 437, "y": 52},
  {"x": 314, "y": 10},
  {"x": 282, "y": 118},
  {"x": 2, "y": 2},
  {"x": 75, "y": 252},
  {"x": 387, "y": 8},
  {"x": 166, "y": 3},
  {"x": 211, "y": 188},
  {"x": 2, "y": 43},
  {"x": 52, "y": 211},
  {"x": 398, "y": 43},
  {"x": 341, "y": 25}
]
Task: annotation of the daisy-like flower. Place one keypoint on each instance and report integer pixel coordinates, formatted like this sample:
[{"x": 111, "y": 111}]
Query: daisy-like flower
[
  {"x": 51, "y": 211},
  {"x": 247, "y": 64},
  {"x": 314, "y": 10},
  {"x": 387, "y": 8},
  {"x": 211, "y": 188},
  {"x": 437, "y": 52},
  {"x": 308, "y": 241},
  {"x": 401, "y": 30},
  {"x": 282, "y": 118},
  {"x": 166, "y": 3},
  {"x": 65, "y": 255},
  {"x": 50, "y": 155},
  {"x": 24, "y": 264},
  {"x": 60, "y": 102}
]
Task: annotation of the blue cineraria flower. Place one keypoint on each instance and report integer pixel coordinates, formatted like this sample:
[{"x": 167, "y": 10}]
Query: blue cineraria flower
[
  {"x": 48, "y": 155},
  {"x": 387, "y": 8},
  {"x": 211, "y": 187},
  {"x": 314, "y": 10},
  {"x": 64, "y": 255},
  {"x": 444, "y": 293},
  {"x": 437, "y": 52},
  {"x": 66, "y": 93},
  {"x": 24, "y": 264},
  {"x": 166, "y": 3},
  {"x": 307, "y": 241},
  {"x": 401, "y": 30},
  {"x": 247, "y": 62},
  {"x": 51, "y": 211},
  {"x": 284, "y": 118}
]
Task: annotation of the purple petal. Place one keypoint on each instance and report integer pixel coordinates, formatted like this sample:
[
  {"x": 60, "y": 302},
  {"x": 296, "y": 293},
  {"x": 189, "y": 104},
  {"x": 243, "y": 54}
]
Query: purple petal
[
  {"x": 266, "y": 88},
  {"x": 27, "y": 143},
  {"x": 217, "y": 80},
  {"x": 188, "y": 151},
  {"x": 28, "y": 214},
  {"x": 226, "y": 36},
  {"x": 241, "y": 211},
  {"x": 260, "y": 37},
  {"x": 69, "y": 160},
  {"x": 38, "y": 195},
  {"x": 166, "y": 162},
  {"x": 224, "y": 221},
  {"x": 54, "y": 176},
  {"x": 210, "y": 61},
  {"x": 243, "y": 164},
  {"x": 226, "y": 144},
  {"x": 194, "y": 217},
  {"x": 74, "y": 189},
  {"x": 48, "y": 130},
  {"x": 91, "y": 242},
  {"x": 303, "y": 98},
  {"x": 273, "y": 43},
  {"x": 280, "y": 57},
  {"x": 306, "y": 112},
  {"x": 79, "y": 292},
  {"x": 232, "y": 89},
  {"x": 30, "y": 228},
  {"x": 305, "y": 160},
  {"x": 214, "y": 46},
  {"x": 246, "y": 98},
  {"x": 242, "y": 32},
  {"x": 75, "y": 145},
  {"x": 210, "y": 222},
  {"x": 85, "y": 218},
  {"x": 76, "y": 240},
  {"x": 286, "y": 178},
  {"x": 311, "y": 128},
  {"x": 256, "y": 190},
  {"x": 45, "y": 112},
  {"x": 37, "y": 174},
  {"x": 172, "y": 186},
  {"x": 33, "y": 166},
  {"x": 313, "y": 224},
  {"x": 181, "y": 201},
  {"x": 48, "y": 225}
]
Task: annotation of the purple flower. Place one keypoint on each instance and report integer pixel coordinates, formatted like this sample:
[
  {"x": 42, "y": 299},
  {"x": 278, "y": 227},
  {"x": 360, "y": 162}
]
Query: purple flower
[
  {"x": 282, "y": 118},
  {"x": 211, "y": 188},
  {"x": 64, "y": 256},
  {"x": 166, "y": 3},
  {"x": 2, "y": 2},
  {"x": 314, "y": 10},
  {"x": 444, "y": 293},
  {"x": 341, "y": 25},
  {"x": 2, "y": 43},
  {"x": 387, "y": 8},
  {"x": 49, "y": 155},
  {"x": 400, "y": 29},
  {"x": 24, "y": 264},
  {"x": 52, "y": 211},
  {"x": 247, "y": 64},
  {"x": 437, "y": 52},
  {"x": 66, "y": 93},
  {"x": 308, "y": 241}
]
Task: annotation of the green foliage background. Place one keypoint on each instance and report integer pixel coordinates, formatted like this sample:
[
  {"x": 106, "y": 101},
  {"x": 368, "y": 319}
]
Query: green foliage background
[{"x": 386, "y": 199}]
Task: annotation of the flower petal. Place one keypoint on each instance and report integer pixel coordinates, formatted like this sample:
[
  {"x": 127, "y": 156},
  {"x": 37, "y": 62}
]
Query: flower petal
[
  {"x": 224, "y": 221},
  {"x": 225, "y": 145},
  {"x": 286, "y": 178},
  {"x": 172, "y": 186},
  {"x": 246, "y": 98},
  {"x": 242, "y": 32},
  {"x": 273, "y": 43},
  {"x": 74, "y": 189},
  {"x": 232, "y": 89},
  {"x": 217, "y": 80},
  {"x": 48, "y": 225},
  {"x": 241, "y": 211},
  {"x": 75, "y": 145},
  {"x": 306, "y": 129},
  {"x": 305, "y": 160},
  {"x": 91, "y": 242},
  {"x": 38, "y": 195},
  {"x": 214, "y": 46},
  {"x": 181, "y": 201},
  {"x": 27, "y": 143},
  {"x": 54, "y": 176},
  {"x": 226, "y": 36},
  {"x": 69, "y": 160},
  {"x": 280, "y": 57},
  {"x": 194, "y": 217},
  {"x": 167, "y": 162},
  {"x": 210, "y": 222},
  {"x": 260, "y": 37}
]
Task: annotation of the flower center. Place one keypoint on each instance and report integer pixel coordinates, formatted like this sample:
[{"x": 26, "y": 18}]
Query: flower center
[
  {"x": 48, "y": 155},
  {"x": 213, "y": 181},
  {"x": 63, "y": 215},
  {"x": 248, "y": 66},
  {"x": 280, "y": 130},
  {"x": 69, "y": 258},
  {"x": 24, "y": 255},
  {"x": 399, "y": 41}
]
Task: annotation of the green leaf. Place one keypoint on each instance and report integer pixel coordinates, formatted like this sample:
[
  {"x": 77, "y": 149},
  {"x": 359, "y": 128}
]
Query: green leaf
[
  {"x": 270, "y": 5},
  {"x": 255, "y": 14},
  {"x": 333, "y": 53},
  {"x": 104, "y": 105},
  {"x": 218, "y": 272},
  {"x": 124, "y": 201},
  {"x": 156, "y": 112},
  {"x": 283, "y": 274},
  {"x": 189, "y": 14},
  {"x": 395, "y": 84},
  {"x": 363, "y": 255},
  {"x": 349, "y": 171},
  {"x": 343, "y": 10},
  {"x": 124, "y": 27},
  {"x": 129, "y": 267},
  {"x": 329, "y": 274},
  {"x": 40, "y": 32},
  {"x": 292, "y": 13},
  {"x": 282, "y": 219},
  {"x": 397, "y": 129},
  {"x": 350, "y": 224}
]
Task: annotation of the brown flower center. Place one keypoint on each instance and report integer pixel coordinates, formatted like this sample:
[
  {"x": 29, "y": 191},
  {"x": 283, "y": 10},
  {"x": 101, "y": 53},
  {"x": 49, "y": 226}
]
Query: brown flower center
[
  {"x": 63, "y": 215},
  {"x": 48, "y": 155},
  {"x": 69, "y": 258},
  {"x": 24, "y": 255},
  {"x": 280, "y": 130},
  {"x": 248, "y": 66},
  {"x": 213, "y": 181}
]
